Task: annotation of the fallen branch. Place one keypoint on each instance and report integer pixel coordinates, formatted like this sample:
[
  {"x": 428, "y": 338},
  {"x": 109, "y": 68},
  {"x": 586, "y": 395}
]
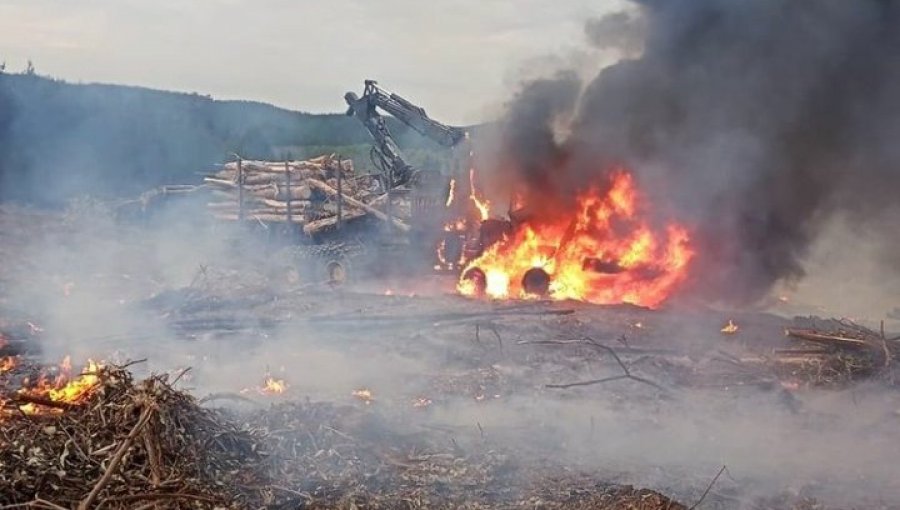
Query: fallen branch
[
  {"x": 37, "y": 503},
  {"x": 163, "y": 495},
  {"x": 627, "y": 373},
  {"x": 815, "y": 336},
  {"x": 227, "y": 396},
  {"x": 23, "y": 399},
  {"x": 450, "y": 316},
  {"x": 708, "y": 488},
  {"x": 88, "y": 501}
]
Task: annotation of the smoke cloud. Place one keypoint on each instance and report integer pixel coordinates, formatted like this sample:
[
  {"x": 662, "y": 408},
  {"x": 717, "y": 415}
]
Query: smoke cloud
[
  {"x": 756, "y": 123},
  {"x": 620, "y": 31}
]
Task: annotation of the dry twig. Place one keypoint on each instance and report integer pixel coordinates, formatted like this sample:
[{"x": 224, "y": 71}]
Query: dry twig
[{"x": 593, "y": 343}]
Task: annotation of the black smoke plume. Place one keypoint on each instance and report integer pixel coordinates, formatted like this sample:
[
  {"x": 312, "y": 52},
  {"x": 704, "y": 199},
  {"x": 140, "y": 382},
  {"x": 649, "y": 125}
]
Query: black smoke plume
[{"x": 754, "y": 121}]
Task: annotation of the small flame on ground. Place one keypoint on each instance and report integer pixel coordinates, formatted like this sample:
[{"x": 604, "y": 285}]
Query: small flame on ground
[
  {"x": 272, "y": 386},
  {"x": 364, "y": 394},
  {"x": 63, "y": 388},
  {"x": 422, "y": 402},
  {"x": 730, "y": 328}
]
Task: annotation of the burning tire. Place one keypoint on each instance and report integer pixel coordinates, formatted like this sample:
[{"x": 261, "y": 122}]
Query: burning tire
[
  {"x": 477, "y": 279},
  {"x": 536, "y": 281}
]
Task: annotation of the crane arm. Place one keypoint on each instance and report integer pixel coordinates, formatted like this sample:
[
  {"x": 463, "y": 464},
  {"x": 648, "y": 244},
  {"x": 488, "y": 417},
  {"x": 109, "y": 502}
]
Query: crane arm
[
  {"x": 412, "y": 115},
  {"x": 365, "y": 108}
]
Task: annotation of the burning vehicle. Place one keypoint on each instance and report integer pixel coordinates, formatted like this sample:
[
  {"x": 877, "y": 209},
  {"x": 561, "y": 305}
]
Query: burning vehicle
[{"x": 602, "y": 250}]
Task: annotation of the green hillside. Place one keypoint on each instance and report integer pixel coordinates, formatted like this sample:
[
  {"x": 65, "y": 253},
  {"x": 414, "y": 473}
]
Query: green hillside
[{"x": 61, "y": 140}]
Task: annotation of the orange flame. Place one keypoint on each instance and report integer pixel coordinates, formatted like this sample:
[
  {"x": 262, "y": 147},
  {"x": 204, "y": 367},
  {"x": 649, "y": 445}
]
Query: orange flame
[
  {"x": 364, "y": 394},
  {"x": 63, "y": 388},
  {"x": 730, "y": 328},
  {"x": 441, "y": 253},
  {"x": 452, "y": 192},
  {"x": 272, "y": 386},
  {"x": 80, "y": 388},
  {"x": 483, "y": 205},
  {"x": 602, "y": 253},
  {"x": 7, "y": 363}
]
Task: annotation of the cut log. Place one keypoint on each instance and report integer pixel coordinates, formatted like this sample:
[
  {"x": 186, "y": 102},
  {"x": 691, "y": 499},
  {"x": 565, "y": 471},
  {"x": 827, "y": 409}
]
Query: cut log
[
  {"x": 815, "y": 336},
  {"x": 231, "y": 206},
  {"x": 265, "y": 218},
  {"x": 298, "y": 192},
  {"x": 316, "y": 226},
  {"x": 314, "y": 183}
]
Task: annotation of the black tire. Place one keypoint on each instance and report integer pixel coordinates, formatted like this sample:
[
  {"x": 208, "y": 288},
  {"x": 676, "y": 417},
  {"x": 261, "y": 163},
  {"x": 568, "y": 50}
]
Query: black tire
[{"x": 338, "y": 271}]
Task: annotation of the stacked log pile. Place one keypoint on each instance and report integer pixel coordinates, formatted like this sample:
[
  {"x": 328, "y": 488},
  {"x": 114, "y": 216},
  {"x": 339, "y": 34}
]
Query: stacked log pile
[{"x": 306, "y": 193}]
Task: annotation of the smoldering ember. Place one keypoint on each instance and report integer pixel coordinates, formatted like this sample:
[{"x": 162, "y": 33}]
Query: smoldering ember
[{"x": 659, "y": 273}]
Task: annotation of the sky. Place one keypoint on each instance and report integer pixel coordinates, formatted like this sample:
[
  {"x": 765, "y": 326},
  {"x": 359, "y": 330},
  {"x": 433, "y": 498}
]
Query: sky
[{"x": 457, "y": 58}]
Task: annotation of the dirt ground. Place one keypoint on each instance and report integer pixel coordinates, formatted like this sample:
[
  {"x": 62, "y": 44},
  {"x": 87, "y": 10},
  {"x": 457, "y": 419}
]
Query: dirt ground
[{"x": 559, "y": 403}]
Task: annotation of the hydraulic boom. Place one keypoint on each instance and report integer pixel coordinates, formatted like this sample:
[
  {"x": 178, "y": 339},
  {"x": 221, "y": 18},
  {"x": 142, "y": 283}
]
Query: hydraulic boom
[{"x": 397, "y": 171}]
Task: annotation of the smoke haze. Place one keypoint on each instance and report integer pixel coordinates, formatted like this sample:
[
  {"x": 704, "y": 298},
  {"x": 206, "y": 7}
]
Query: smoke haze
[{"x": 756, "y": 121}]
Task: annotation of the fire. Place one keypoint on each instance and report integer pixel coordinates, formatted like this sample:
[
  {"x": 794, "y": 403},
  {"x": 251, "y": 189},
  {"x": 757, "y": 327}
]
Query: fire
[
  {"x": 7, "y": 363},
  {"x": 63, "y": 388},
  {"x": 272, "y": 386},
  {"x": 444, "y": 261},
  {"x": 483, "y": 205},
  {"x": 452, "y": 192},
  {"x": 601, "y": 252},
  {"x": 441, "y": 254},
  {"x": 364, "y": 394},
  {"x": 730, "y": 328},
  {"x": 421, "y": 402},
  {"x": 79, "y": 388}
]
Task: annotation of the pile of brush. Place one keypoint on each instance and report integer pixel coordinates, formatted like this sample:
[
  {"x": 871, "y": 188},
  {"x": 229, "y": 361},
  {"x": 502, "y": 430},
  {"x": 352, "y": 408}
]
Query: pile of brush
[
  {"x": 128, "y": 445},
  {"x": 838, "y": 352},
  {"x": 146, "y": 445}
]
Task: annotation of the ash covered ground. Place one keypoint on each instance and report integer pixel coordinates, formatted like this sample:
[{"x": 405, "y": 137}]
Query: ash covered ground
[{"x": 428, "y": 399}]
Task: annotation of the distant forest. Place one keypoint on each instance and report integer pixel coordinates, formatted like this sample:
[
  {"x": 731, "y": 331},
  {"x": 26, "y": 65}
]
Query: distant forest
[{"x": 61, "y": 140}]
